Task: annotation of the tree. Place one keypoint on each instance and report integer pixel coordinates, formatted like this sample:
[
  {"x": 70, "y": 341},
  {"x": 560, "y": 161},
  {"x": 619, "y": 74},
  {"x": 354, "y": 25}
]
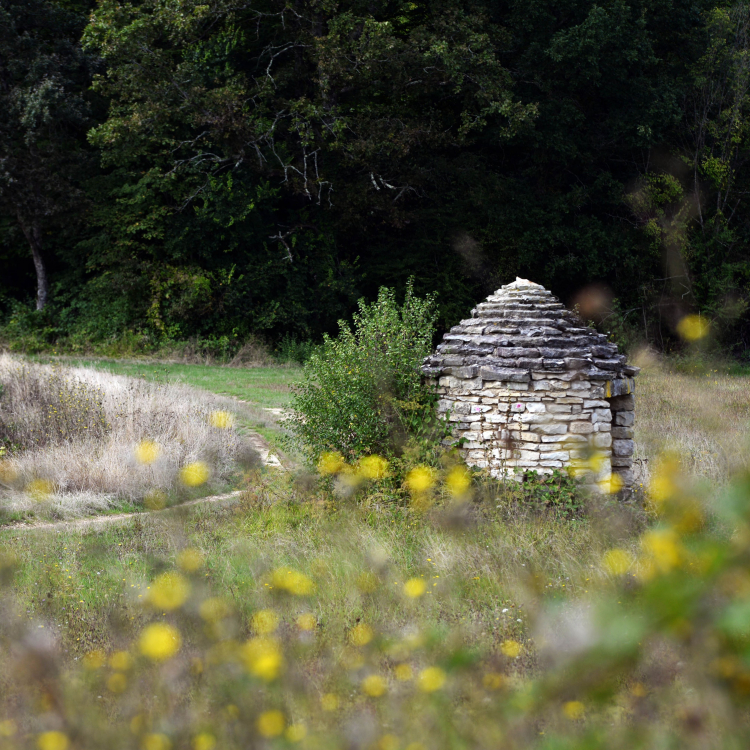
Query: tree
[{"x": 44, "y": 116}]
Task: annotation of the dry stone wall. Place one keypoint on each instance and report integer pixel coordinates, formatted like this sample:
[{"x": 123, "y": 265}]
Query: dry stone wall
[{"x": 527, "y": 385}]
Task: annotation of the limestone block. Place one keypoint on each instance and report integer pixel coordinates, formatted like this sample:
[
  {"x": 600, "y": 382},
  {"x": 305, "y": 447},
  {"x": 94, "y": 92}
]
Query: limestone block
[
  {"x": 479, "y": 408},
  {"x": 572, "y": 439},
  {"x": 560, "y": 408},
  {"x": 504, "y": 374},
  {"x": 529, "y": 437},
  {"x": 625, "y": 418},
  {"x": 527, "y": 455},
  {"x": 541, "y": 385},
  {"x": 536, "y": 406},
  {"x": 580, "y": 385},
  {"x": 570, "y": 400},
  {"x": 581, "y": 428},
  {"x": 459, "y": 385},
  {"x": 556, "y": 456},
  {"x": 623, "y": 447},
  {"x": 622, "y": 403},
  {"x": 467, "y": 371},
  {"x": 556, "y": 446},
  {"x": 554, "y": 428},
  {"x": 532, "y": 418},
  {"x": 623, "y": 433},
  {"x": 602, "y": 440},
  {"x": 596, "y": 403},
  {"x": 465, "y": 418},
  {"x": 551, "y": 464},
  {"x": 496, "y": 418},
  {"x": 601, "y": 415},
  {"x": 622, "y": 462},
  {"x": 626, "y": 475}
]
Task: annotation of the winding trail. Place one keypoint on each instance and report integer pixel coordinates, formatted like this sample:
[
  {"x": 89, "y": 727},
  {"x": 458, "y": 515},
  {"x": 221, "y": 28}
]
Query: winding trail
[{"x": 267, "y": 458}]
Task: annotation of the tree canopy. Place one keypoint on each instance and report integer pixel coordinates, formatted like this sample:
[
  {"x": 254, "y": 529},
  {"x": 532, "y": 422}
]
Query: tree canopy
[{"x": 262, "y": 165}]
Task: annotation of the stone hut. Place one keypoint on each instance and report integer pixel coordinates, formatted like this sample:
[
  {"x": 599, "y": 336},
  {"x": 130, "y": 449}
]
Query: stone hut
[{"x": 529, "y": 385}]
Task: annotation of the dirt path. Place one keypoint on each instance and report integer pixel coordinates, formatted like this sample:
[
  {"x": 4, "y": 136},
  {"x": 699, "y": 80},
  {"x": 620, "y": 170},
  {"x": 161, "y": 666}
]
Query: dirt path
[{"x": 258, "y": 443}]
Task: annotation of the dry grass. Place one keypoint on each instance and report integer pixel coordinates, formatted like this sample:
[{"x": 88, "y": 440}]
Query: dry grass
[
  {"x": 91, "y": 473},
  {"x": 702, "y": 418}
]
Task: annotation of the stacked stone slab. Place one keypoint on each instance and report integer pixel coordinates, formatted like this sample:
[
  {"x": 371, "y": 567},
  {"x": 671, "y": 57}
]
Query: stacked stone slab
[{"x": 529, "y": 386}]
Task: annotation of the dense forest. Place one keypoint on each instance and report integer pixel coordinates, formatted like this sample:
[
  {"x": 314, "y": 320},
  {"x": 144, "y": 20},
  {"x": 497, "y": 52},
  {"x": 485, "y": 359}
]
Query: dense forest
[{"x": 213, "y": 169}]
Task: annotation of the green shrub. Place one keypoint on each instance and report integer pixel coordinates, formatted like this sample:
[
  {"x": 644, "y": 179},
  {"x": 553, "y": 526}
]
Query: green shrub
[{"x": 362, "y": 393}]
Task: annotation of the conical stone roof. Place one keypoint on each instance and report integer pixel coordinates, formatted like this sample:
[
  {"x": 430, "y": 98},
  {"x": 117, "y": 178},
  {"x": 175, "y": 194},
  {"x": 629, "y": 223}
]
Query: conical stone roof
[{"x": 520, "y": 329}]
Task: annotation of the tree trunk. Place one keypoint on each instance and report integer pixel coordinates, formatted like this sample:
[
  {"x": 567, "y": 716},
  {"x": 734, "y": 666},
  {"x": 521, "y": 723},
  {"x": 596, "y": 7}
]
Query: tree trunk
[{"x": 33, "y": 233}]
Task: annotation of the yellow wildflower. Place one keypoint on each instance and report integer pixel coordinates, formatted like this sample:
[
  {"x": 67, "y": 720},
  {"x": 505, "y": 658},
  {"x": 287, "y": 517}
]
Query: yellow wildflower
[
  {"x": 52, "y": 741},
  {"x": 403, "y": 672},
  {"x": 8, "y": 728},
  {"x": 265, "y": 621},
  {"x": 169, "y": 591},
  {"x": 374, "y": 686},
  {"x": 204, "y": 741},
  {"x": 194, "y": 474},
  {"x": 121, "y": 661},
  {"x": 156, "y": 742},
  {"x": 293, "y": 581},
  {"x": 271, "y": 723},
  {"x": 574, "y": 710},
  {"x": 361, "y": 634},
  {"x": 262, "y": 657},
  {"x": 693, "y": 328},
  {"x": 511, "y": 649},
  {"x": 431, "y": 679},
  {"x": 221, "y": 419},
  {"x": 296, "y": 732},
  {"x": 147, "y": 451},
  {"x": 329, "y": 702},
  {"x": 415, "y": 587},
  {"x": 94, "y": 659},
  {"x": 190, "y": 560},
  {"x": 420, "y": 479},
  {"x": 331, "y": 463},
  {"x": 617, "y": 561},
  {"x": 458, "y": 481},
  {"x": 372, "y": 467},
  {"x": 306, "y": 621},
  {"x": 493, "y": 681},
  {"x": 160, "y": 641}
]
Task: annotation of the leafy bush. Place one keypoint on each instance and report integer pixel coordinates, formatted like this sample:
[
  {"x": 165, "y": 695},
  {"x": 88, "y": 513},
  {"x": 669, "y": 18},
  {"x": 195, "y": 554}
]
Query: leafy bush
[{"x": 362, "y": 392}]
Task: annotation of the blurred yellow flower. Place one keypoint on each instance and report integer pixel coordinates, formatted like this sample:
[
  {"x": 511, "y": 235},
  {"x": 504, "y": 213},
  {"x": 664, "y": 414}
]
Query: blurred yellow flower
[
  {"x": 117, "y": 682},
  {"x": 262, "y": 657},
  {"x": 361, "y": 635},
  {"x": 329, "y": 702},
  {"x": 612, "y": 484},
  {"x": 493, "y": 681},
  {"x": 156, "y": 742},
  {"x": 270, "y": 723},
  {"x": 574, "y": 710},
  {"x": 147, "y": 451},
  {"x": 693, "y": 328},
  {"x": 420, "y": 479},
  {"x": 293, "y": 581},
  {"x": 40, "y": 489},
  {"x": 511, "y": 649},
  {"x": 596, "y": 461},
  {"x": 221, "y": 419},
  {"x": 52, "y": 741},
  {"x": 415, "y": 587},
  {"x": 617, "y": 561},
  {"x": 662, "y": 548},
  {"x": 155, "y": 500},
  {"x": 8, "y": 728},
  {"x": 388, "y": 742},
  {"x": 121, "y": 661},
  {"x": 296, "y": 732},
  {"x": 204, "y": 741},
  {"x": 190, "y": 560},
  {"x": 403, "y": 672},
  {"x": 458, "y": 481},
  {"x": 331, "y": 463},
  {"x": 431, "y": 679},
  {"x": 194, "y": 474},
  {"x": 214, "y": 609},
  {"x": 160, "y": 641},
  {"x": 306, "y": 621},
  {"x": 372, "y": 467},
  {"x": 8, "y": 472},
  {"x": 94, "y": 659},
  {"x": 169, "y": 591},
  {"x": 265, "y": 621},
  {"x": 374, "y": 686}
]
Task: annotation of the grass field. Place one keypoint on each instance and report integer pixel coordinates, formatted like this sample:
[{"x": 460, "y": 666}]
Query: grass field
[{"x": 395, "y": 629}]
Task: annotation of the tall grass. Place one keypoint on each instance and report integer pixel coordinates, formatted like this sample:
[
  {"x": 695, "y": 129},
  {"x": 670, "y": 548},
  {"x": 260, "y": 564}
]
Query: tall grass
[{"x": 72, "y": 434}]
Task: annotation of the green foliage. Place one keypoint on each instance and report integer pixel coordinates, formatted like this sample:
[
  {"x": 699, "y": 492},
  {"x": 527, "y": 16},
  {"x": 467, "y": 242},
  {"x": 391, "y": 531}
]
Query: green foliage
[
  {"x": 362, "y": 393},
  {"x": 557, "y": 492}
]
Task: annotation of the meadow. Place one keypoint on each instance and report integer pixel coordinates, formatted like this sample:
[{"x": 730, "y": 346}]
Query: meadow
[{"x": 303, "y": 614}]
